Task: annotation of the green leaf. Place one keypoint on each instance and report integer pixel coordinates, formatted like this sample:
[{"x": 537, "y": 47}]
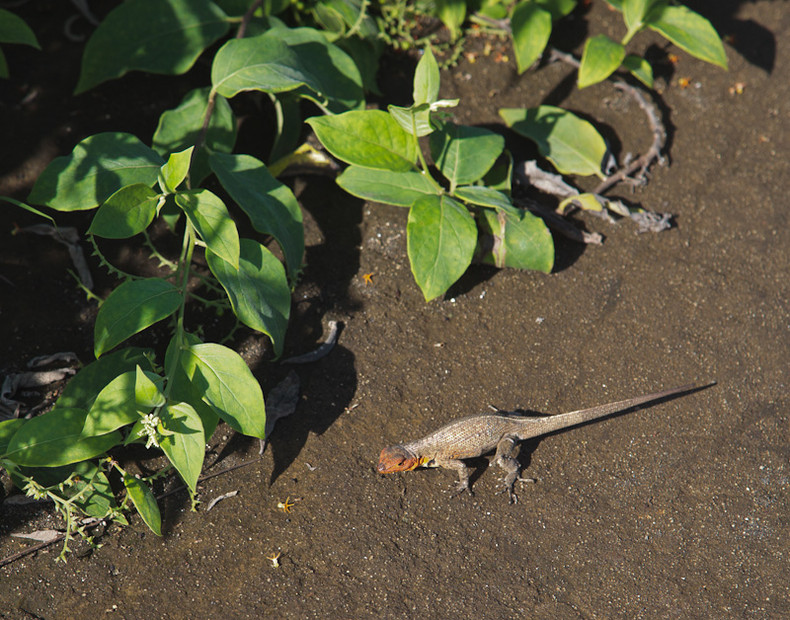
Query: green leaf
[
  {"x": 572, "y": 144},
  {"x": 181, "y": 386},
  {"x": 369, "y": 138},
  {"x": 452, "y": 13},
  {"x": 557, "y": 8},
  {"x": 127, "y": 212},
  {"x": 530, "y": 27},
  {"x": 115, "y": 406},
  {"x": 634, "y": 12},
  {"x": 13, "y": 29},
  {"x": 258, "y": 290},
  {"x": 82, "y": 390},
  {"x": 464, "y": 154},
  {"x": 426, "y": 78},
  {"x": 27, "y": 208},
  {"x": 55, "y": 438},
  {"x": 270, "y": 205},
  {"x": 185, "y": 447},
  {"x": 441, "y": 239},
  {"x": 689, "y": 31},
  {"x": 91, "y": 491},
  {"x": 286, "y": 59},
  {"x": 227, "y": 384},
  {"x": 414, "y": 120},
  {"x": 8, "y": 429},
  {"x": 98, "y": 167},
  {"x": 486, "y": 197},
  {"x": 157, "y": 36},
  {"x": 263, "y": 62},
  {"x": 173, "y": 173},
  {"x": 179, "y": 128},
  {"x": 395, "y": 188},
  {"x": 332, "y": 79},
  {"x": 212, "y": 222},
  {"x": 147, "y": 390},
  {"x": 640, "y": 69},
  {"x": 600, "y": 59},
  {"x": 145, "y": 502},
  {"x": 131, "y": 308},
  {"x": 501, "y": 174},
  {"x": 521, "y": 242}
]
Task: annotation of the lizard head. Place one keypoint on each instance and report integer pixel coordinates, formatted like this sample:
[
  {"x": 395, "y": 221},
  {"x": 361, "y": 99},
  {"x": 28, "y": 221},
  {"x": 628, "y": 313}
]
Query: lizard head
[{"x": 397, "y": 458}]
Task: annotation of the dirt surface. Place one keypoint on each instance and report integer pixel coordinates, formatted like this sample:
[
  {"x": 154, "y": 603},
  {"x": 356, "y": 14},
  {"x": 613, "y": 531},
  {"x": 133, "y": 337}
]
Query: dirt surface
[{"x": 677, "y": 510}]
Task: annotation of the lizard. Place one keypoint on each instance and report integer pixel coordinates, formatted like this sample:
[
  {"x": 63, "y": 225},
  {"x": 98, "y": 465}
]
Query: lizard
[{"x": 476, "y": 435}]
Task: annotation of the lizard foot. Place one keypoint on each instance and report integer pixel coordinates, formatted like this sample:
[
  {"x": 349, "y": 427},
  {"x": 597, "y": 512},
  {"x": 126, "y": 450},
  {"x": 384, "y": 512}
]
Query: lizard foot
[
  {"x": 459, "y": 488},
  {"x": 508, "y": 487}
]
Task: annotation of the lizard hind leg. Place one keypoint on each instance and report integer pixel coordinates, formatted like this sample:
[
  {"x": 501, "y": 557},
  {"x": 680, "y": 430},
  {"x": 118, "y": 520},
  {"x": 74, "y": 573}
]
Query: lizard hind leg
[{"x": 506, "y": 451}]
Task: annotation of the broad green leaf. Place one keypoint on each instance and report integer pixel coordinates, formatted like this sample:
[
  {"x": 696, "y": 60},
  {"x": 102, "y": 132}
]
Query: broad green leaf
[
  {"x": 82, "y": 390},
  {"x": 414, "y": 120},
  {"x": 8, "y": 429},
  {"x": 501, "y": 174},
  {"x": 426, "y": 78},
  {"x": 441, "y": 239},
  {"x": 131, "y": 308},
  {"x": 180, "y": 127},
  {"x": 175, "y": 170},
  {"x": 285, "y": 59},
  {"x": 98, "y": 167},
  {"x": 332, "y": 79},
  {"x": 452, "y": 13},
  {"x": 486, "y": 197},
  {"x": 394, "y": 188},
  {"x": 212, "y": 222},
  {"x": 640, "y": 69},
  {"x": 147, "y": 390},
  {"x": 181, "y": 387},
  {"x": 127, "y": 212},
  {"x": 557, "y": 8},
  {"x": 572, "y": 144},
  {"x": 689, "y": 31},
  {"x": 26, "y": 207},
  {"x": 263, "y": 62},
  {"x": 115, "y": 406},
  {"x": 227, "y": 385},
  {"x": 258, "y": 290},
  {"x": 600, "y": 59},
  {"x": 634, "y": 12},
  {"x": 368, "y": 138},
  {"x": 530, "y": 28},
  {"x": 55, "y": 438},
  {"x": 13, "y": 29},
  {"x": 145, "y": 502},
  {"x": 185, "y": 447},
  {"x": 511, "y": 241},
  {"x": 270, "y": 205},
  {"x": 157, "y": 36},
  {"x": 464, "y": 154}
]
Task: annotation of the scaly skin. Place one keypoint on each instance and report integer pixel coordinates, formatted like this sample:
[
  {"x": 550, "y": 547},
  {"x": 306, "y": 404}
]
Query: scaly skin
[{"x": 476, "y": 435}]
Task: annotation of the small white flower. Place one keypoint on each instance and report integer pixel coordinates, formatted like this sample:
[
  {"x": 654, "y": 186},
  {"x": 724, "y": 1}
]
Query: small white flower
[{"x": 149, "y": 422}]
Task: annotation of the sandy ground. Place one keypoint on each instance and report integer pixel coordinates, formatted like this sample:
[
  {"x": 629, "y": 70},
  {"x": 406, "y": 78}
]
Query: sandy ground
[{"x": 677, "y": 510}]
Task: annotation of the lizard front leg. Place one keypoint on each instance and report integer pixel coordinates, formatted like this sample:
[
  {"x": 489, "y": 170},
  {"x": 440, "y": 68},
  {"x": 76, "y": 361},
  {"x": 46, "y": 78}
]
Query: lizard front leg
[
  {"x": 463, "y": 474},
  {"x": 505, "y": 457}
]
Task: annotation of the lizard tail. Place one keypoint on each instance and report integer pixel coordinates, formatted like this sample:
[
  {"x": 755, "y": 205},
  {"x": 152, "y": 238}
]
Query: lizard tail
[{"x": 574, "y": 418}]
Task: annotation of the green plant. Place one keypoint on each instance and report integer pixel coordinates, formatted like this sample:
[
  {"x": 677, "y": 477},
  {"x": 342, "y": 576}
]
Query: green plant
[
  {"x": 14, "y": 30},
  {"x": 449, "y": 224}
]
